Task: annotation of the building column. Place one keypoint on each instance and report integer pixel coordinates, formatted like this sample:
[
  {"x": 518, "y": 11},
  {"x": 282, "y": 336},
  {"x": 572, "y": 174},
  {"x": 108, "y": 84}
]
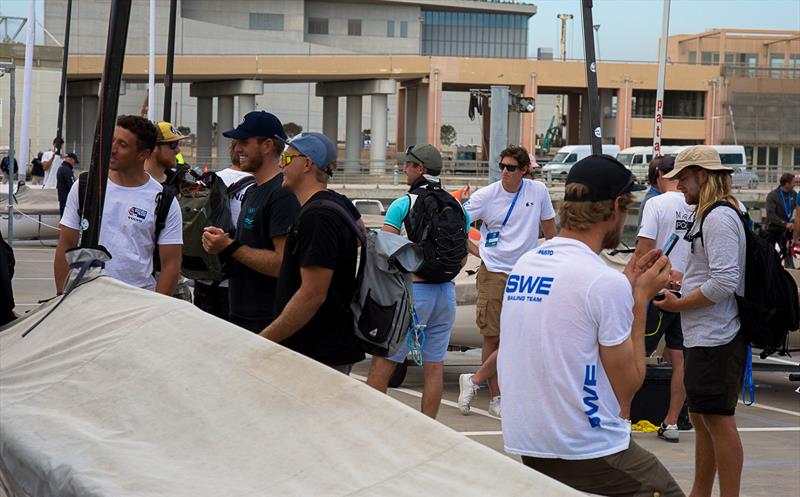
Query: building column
[
  {"x": 400, "y": 139},
  {"x": 529, "y": 118},
  {"x": 624, "y": 113},
  {"x": 411, "y": 117},
  {"x": 224, "y": 123},
  {"x": 330, "y": 118},
  {"x": 573, "y": 119},
  {"x": 247, "y": 104},
  {"x": 377, "y": 149},
  {"x": 203, "y": 130},
  {"x": 82, "y": 111},
  {"x": 514, "y": 124},
  {"x": 434, "y": 114},
  {"x": 709, "y": 116},
  {"x": 586, "y": 120},
  {"x": 352, "y": 146}
]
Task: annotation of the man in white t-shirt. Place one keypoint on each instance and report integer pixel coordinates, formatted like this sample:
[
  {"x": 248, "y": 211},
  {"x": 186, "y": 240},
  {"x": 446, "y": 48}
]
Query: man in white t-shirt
[
  {"x": 663, "y": 216},
  {"x": 210, "y": 297},
  {"x": 572, "y": 354},
  {"x": 129, "y": 216},
  {"x": 514, "y": 211},
  {"x": 51, "y": 161}
]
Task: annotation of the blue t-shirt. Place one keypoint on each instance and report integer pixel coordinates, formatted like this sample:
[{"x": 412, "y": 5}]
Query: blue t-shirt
[{"x": 398, "y": 211}]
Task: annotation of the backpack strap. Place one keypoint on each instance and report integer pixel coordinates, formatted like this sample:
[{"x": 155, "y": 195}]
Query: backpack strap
[
  {"x": 240, "y": 185},
  {"x": 163, "y": 203},
  {"x": 721, "y": 203},
  {"x": 348, "y": 219}
]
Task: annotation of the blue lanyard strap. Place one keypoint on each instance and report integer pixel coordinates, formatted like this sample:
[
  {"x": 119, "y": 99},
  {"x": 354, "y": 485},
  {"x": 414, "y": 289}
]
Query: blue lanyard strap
[
  {"x": 747, "y": 379},
  {"x": 787, "y": 205},
  {"x": 514, "y": 202}
]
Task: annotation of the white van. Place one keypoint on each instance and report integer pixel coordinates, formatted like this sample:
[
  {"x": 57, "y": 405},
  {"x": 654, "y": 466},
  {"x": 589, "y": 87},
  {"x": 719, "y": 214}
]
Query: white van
[
  {"x": 569, "y": 155},
  {"x": 637, "y": 159}
]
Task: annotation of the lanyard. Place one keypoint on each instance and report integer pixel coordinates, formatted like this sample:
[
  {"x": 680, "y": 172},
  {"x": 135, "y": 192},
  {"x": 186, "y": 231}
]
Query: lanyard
[
  {"x": 513, "y": 203},
  {"x": 787, "y": 205}
]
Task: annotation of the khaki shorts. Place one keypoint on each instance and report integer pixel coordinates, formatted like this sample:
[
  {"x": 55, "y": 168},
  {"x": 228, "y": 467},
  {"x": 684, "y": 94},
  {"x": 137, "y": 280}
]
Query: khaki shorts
[
  {"x": 632, "y": 472},
  {"x": 491, "y": 287}
]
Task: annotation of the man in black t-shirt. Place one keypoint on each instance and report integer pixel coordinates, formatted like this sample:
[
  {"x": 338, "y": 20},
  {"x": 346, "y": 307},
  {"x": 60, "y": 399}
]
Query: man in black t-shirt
[
  {"x": 317, "y": 278},
  {"x": 268, "y": 210},
  {"x": 65, "y": 177}
]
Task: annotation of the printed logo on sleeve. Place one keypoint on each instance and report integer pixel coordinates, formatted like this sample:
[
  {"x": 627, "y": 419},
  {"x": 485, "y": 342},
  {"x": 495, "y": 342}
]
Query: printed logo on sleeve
[
  {"x": 137, "y": 214},
  {"x": 528, "y": 288}
]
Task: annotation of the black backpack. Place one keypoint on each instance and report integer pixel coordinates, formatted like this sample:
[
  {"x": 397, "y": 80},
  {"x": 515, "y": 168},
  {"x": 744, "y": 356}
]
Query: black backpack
[
  {"x": 163, "y": 203},
  {"x": 769, "y": 308},
  {"x": 436, "y": 224}
]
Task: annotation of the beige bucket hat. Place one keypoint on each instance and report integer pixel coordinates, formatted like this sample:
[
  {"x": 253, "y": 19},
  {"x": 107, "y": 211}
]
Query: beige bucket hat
[{"x": 700, "y": 156}]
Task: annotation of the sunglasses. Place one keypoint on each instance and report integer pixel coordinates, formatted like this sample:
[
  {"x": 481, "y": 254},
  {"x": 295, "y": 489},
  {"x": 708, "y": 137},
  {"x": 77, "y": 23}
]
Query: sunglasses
[
  {"x": 510, "y": 167},
  {"x": 409, "y": 152},
  {"x": 171, "y": 145},
  {"x": 287, "y": 159}
]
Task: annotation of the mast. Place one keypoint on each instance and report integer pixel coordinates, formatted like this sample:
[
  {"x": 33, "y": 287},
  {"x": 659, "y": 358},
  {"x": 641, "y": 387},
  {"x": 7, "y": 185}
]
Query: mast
[
  {"x": 173, "y": 7},
  {"x": 62, "y": 96},
  {"x": 591, "y": 79},
  {"x": 658, "y": 121}
]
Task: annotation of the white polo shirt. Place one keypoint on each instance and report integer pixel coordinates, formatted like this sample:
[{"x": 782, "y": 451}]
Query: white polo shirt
[
  {"x": 561, "y": 303},
  {"x": 664, "y": 215}
]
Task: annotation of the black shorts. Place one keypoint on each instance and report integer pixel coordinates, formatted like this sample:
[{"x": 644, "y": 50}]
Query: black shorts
[
  {"x": 713, "y": 377},
  {"x": 661, "y": 323}
]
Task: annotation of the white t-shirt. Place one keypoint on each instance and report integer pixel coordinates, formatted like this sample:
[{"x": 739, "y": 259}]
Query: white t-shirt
[
  {"x": 50, "y": 180},
  {"x": 561, "y": 303},
  {"x": 230, "y": 176},
  {"x": 520, "y": 234},
  {"x": 664, "y": 215},
  {"x": 129, "y": 223}
]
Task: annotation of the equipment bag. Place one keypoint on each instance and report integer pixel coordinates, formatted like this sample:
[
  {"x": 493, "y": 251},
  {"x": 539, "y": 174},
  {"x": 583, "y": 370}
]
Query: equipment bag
[
  {"x": 769, "y": 308},
  {"x": 436, "y": 224},
  {"x": 383, "y": 303}
]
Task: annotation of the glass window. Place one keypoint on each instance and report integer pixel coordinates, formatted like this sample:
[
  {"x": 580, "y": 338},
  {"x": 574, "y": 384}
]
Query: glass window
[
  {"x": 317, "y": 26},
  {"x": 572, "y": 158},
  {"x": 776, "y": 60},
  {"x": 266, "y": 22},
  {"x": 773, "y": 156},
  {"x": 692, "y": 57},
  {"x": 761, "y": 156},
  {"x": 403, "y": 29},
  {"x": 354, "y": 27},
  {"x": 637, "y": 159},
  {"x": 796, "y": 160},
  {"x": 709, "y": 58},
  {"x": 748, "y": 153},
  {"x": 390, "y": 29}
]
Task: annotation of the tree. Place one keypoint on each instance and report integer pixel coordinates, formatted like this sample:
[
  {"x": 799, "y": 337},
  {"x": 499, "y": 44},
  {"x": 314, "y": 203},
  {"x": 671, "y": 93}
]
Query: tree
[
  {"x": 292, "y": 129},
  {"x": 447, "y": 134}
]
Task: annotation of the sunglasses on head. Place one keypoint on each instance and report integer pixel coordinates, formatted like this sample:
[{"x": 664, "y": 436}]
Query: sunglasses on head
[
  {"x": 409, "y": 152},
  {"x": 510, "y": 167}
]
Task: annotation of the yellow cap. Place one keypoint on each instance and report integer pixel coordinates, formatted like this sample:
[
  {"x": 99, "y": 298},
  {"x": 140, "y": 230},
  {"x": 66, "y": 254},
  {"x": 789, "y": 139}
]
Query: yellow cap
[{"x": 167, "y": 133}]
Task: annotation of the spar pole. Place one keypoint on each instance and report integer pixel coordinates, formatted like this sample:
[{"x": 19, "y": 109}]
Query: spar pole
[
  {"x": 662, "y": 73},
  {"x": 151, "y": 66},
  {"x": 591, "y": 79},
  {"x": 62, "y": 96},
  {"x": 106, "y": 121},
  {"x": 173, "y": 7}
]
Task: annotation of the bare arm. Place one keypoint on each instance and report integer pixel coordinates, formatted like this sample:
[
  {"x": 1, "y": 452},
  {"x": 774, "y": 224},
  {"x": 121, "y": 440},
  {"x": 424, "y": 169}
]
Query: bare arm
[
  {"x": 303, "y": 305},
  {"x": 170, "y": 257},
  {"x": 643, "y": 246},
  {"x": 549, "y": 228},
  {"x": 263, "y": 260},
  {"x": 473, "y": 248},
  {"x": 47, "y": 164},
  {"x": 67, "y": 239},
  {"x": 390, "y": 229}
]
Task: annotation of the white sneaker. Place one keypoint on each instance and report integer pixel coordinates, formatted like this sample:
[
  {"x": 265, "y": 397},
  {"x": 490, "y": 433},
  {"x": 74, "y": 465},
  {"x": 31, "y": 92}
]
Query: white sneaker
[
  {"x": 467, "y": 392},
  {"x": 494, "y": 407}
]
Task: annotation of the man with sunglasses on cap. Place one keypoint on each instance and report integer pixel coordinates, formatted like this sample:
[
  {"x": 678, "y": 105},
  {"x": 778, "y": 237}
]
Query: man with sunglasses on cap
[
  {"x": 514, "y": 211},
  {"x": 572, "y": 354},
  {"x": 434, "y": 291},
  {"x": 716, "y": 351},
  {"x": 318, "y": 274},
  {"x": 665, "y": 215},
  {"x": 161, "y": 163},
  {"x": 255, "y": 254}
]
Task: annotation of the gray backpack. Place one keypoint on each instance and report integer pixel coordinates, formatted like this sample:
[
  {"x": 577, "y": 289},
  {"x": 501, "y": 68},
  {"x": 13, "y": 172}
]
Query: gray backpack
[{"x": 383, "y": 303}]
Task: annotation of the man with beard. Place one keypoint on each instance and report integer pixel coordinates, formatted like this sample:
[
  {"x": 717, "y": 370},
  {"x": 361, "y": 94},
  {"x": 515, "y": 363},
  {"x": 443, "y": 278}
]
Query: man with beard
[
  {"x": 572, "y": 354},
  {"x": 268, "y": 210}
]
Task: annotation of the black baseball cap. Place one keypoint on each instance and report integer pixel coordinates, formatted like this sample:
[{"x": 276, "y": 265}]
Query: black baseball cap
[
  {"x": 257, "y": 123},
  {"x": 605, "y": 177},
  {"x": 73, "y": 156},
  {"x": 666, "y": 164}
]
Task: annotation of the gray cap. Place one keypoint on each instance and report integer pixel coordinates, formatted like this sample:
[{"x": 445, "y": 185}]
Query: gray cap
[{"x": 426, "y": 155}]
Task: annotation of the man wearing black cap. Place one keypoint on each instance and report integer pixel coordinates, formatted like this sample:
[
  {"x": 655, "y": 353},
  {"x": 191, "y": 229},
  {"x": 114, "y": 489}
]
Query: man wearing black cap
[
  {"x": 663, "y": 216},
  {"x": 65, "y": 177},
  {"x": 268, "y": 210},
  {"x": 572, "y": 354},
  {"x": 318, "y": 274}
]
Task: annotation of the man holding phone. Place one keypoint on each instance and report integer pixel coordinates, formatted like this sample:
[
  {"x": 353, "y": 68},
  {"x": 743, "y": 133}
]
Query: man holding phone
[{"x": 665, "y": 218}]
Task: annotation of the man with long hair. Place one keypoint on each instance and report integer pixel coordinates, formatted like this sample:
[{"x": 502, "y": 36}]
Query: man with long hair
[{"x": 715, "y": 351}]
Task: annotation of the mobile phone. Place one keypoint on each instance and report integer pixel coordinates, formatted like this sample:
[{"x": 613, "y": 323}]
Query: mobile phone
[
  {"x": 660, "y": 295},
  {"x": 673, "y": 239}
]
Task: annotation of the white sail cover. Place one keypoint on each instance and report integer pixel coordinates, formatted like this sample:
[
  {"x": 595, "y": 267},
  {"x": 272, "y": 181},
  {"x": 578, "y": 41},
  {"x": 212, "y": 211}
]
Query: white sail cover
[{"x": 123, "y": 392}]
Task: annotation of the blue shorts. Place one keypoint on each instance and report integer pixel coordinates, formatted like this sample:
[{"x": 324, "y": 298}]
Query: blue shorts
[{"x": 435, "y": 304}]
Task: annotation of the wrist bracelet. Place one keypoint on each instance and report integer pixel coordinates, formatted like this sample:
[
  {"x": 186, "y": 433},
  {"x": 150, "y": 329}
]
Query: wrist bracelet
[{"x": 230, "y": 249}]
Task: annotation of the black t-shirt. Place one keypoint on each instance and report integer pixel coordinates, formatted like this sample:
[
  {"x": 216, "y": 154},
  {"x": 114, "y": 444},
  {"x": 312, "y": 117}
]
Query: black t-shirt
[
  {"x": 64, "y": 180},
  {"x": 37, "y": 169},
  {"x": 322, "y": 238},
  {"x": 347, "y": 204},
  {"x": 268, "y": 211}
]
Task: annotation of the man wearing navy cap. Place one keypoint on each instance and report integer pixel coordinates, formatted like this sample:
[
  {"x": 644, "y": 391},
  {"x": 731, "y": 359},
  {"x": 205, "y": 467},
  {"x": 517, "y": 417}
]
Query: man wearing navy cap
[
  {"x": 317, "y": 277},
  {"x": 572, "y": 354},
  {"x": 268, "y": 210},
  {"x": 65, "y": 177}
]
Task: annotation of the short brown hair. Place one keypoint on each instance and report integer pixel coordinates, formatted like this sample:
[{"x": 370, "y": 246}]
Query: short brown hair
[
  {"x": 519, "y": 154},
  {"x": 145, "y": 131},
  {"x": 787, "y": 178},
  {"x": 580, "y": 216}
]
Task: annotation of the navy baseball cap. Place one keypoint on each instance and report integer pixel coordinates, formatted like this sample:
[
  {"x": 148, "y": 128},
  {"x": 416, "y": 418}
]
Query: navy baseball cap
[
  {"x": 315, "y": 146},
  {"x": 605, "y": 177},
  {"x": 257, "y": 123}
]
